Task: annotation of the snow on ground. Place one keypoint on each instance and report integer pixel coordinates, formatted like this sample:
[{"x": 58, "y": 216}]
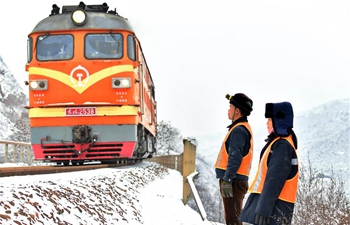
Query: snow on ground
[{"x": 147, "y": 194}]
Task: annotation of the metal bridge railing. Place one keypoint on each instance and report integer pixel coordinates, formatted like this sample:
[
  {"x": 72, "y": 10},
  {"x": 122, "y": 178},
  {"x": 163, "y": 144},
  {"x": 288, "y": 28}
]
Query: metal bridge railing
[{"x": 15, "y": 152}]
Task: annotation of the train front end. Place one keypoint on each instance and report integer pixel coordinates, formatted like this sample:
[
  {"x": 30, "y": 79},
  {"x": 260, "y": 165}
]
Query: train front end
[{"x": 91, "y": 95}]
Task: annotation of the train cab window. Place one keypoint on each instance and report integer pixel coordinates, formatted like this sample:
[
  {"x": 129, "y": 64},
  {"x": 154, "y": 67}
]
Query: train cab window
[
  {"x": 104, "y": 46},
  {"x": 131, "y": 48},
  {"x": 29, "y": 50},
  {"x": 54, "y": 47}
]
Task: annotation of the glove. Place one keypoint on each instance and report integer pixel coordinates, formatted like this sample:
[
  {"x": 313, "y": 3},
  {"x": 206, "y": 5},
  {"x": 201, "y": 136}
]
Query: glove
[
  {"x": 226, "y": 189},
  {"x": 261, "y": 220}
]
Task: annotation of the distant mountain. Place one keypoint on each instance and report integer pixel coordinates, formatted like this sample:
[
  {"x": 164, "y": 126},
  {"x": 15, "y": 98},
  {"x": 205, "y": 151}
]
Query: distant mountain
[
  {"x": 323, "y": 138},
  {"x": 13, "y": 116}
]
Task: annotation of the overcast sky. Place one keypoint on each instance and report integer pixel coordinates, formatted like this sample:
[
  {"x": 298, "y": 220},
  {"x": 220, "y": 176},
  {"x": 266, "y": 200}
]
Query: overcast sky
[{"x": 200, "y": 50}]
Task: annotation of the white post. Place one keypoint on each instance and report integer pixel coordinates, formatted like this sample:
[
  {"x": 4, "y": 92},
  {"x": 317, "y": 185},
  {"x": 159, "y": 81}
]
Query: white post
[{"x": 196, "y": 196}]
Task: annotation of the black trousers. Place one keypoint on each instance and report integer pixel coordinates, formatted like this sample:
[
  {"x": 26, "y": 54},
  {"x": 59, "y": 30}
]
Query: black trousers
[{"x": 233, "y": 205}]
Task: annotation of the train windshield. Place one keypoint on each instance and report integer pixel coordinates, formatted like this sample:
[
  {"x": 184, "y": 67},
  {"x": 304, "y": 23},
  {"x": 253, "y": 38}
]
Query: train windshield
[
  {"x": 54, "y": 47},
  {"x": 104, "y": 46}
]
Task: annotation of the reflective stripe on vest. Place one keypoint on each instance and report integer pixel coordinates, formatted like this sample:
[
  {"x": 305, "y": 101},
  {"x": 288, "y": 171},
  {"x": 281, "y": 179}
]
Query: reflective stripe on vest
[
  {"x": 289, "y": 190},
  {"x": 246, "y": 164}
]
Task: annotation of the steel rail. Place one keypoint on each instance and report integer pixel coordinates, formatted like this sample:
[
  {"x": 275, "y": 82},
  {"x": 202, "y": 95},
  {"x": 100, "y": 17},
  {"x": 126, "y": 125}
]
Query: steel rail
[{"x": 35, "y": 170}]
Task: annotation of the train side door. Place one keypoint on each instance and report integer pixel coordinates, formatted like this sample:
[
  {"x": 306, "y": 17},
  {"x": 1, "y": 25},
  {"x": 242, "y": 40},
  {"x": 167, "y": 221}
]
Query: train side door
[
  {"x": 142, "y": 79},
  {"x": 135, "y": 54}
]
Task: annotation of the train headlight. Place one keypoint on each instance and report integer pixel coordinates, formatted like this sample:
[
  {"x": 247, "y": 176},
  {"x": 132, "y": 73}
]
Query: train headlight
[
  {"x": 121, "y": 82},
  {"x": 79, "y": 17},
  {"x": 38, "y": 85}
]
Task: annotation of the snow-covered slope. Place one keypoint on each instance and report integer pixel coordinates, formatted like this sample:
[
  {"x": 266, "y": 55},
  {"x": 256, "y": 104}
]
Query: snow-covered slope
[
  {"x": 12, "y": 101},
  {"x": 147, "y": 194},
  {"x": 324, "y": 136}
]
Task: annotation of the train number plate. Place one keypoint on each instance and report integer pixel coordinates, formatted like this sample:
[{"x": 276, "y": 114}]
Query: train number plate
[{"x": 81, "y": 111}]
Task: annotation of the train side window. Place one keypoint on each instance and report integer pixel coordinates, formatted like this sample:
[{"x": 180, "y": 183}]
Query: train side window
[
  {"x": 54, "y": 47},
  {"x": 104, "y": 46},
  {"x": 131, "y": 48},
  {"x": 153, "y": 94},
  {"x": 29, "y": 50}
]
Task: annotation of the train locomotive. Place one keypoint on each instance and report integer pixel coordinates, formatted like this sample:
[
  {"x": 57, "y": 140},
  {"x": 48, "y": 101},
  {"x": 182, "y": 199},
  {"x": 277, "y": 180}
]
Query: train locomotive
[{"x": 91, "y": 94}]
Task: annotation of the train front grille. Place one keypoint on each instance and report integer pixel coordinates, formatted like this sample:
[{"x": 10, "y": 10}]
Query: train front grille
[{"x": 85, "y": 151}]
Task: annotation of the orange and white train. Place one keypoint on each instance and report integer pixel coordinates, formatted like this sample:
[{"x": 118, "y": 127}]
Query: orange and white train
[{"x": 91, "y": 94}]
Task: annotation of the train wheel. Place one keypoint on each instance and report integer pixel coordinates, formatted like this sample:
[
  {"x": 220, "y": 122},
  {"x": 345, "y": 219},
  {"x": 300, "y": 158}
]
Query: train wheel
[{"x": 65, "y": 163}]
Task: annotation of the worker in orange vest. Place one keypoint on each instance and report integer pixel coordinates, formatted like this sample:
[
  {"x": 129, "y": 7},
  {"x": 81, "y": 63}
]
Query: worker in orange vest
[
  {"x": 233, "y": 163},
  {"x": 273, "y": 191}
]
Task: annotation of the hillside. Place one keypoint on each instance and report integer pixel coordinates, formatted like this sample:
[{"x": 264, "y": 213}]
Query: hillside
[
  {"x": 12, "y": 102},
  {"x": 324, "y": 136}
]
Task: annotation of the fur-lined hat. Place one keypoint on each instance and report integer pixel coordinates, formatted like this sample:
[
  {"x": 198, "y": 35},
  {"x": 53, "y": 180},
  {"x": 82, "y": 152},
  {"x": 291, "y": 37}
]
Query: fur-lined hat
[
  {"x": 241, "y": 101},
  {"x": 282, "y": 117}
]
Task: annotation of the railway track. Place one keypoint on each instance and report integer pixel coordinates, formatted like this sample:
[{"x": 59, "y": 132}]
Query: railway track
[{"x": 35, "y": 170}]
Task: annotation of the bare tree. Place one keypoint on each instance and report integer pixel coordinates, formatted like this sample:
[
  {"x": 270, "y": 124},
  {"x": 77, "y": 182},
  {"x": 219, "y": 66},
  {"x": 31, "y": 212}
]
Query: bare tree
[
  {"x": 169, "y": 139},
  {"x": 321, "y": 199},
  {"x": 23, "y": 127}
]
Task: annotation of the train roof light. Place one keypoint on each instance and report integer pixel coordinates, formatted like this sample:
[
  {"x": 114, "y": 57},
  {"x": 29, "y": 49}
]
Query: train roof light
[{"x": 79, "y": 17}]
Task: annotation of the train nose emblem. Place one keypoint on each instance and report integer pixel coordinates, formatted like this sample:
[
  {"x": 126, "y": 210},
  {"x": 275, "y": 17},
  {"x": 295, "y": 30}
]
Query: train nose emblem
[
  {"x": 81, "y": 134},
  {"x": 79, "y": 76}
]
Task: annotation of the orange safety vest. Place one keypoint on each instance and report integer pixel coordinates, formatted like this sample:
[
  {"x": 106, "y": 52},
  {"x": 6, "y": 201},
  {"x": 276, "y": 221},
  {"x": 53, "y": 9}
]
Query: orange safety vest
[
  {"x": 289, "y": 190},
  {"x": 246, "y": 164}
]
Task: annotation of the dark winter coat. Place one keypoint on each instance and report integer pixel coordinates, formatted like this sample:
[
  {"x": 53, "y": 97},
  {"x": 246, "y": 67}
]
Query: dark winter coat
[
  {"x": 238, "y": 145},
  {"x": 279, "y": 170}
]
